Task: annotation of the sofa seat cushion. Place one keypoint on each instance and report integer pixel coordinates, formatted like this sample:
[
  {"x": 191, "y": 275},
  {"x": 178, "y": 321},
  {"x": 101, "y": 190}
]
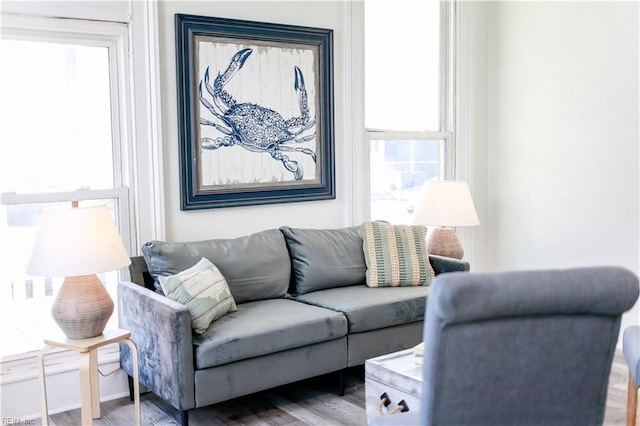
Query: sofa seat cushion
[
  {"x": 265, "y": 327},
  {"x": 372, "y": 308}
]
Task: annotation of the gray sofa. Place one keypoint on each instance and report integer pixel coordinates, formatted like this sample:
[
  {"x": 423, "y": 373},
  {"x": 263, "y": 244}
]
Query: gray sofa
[{"x": 303, "y": 310}]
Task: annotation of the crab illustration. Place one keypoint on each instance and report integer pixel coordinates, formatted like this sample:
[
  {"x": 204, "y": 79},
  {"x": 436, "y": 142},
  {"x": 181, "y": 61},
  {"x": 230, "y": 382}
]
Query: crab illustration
[{"x": 254, "y": 127}]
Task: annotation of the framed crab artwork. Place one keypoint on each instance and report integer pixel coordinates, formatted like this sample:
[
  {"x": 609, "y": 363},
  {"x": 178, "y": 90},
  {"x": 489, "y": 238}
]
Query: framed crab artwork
[{"x": 255, "y": 112}]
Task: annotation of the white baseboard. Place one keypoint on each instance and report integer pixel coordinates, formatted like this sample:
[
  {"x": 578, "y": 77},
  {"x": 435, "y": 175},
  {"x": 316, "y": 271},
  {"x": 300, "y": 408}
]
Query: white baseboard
[{"x": 21, "y": 399}]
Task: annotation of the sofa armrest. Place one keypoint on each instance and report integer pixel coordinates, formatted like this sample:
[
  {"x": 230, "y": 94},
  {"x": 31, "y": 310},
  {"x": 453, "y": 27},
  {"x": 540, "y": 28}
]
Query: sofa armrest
[
  {"x": 443, "y": 264},
  {"x": 161, "y": 330}
]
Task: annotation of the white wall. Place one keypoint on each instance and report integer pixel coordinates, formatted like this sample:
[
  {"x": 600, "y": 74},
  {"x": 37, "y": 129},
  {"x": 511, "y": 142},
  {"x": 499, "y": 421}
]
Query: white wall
[
  {"x": 563, "y": 185},
  {"x": 562, "y": 137},
  {"x": 233, "y": 222}
]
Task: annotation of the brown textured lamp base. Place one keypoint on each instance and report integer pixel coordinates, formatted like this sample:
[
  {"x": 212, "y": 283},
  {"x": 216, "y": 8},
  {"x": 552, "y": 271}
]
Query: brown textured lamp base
[
  {"x": 82, "y": 307},
  {"x": 444, "y": 242}
]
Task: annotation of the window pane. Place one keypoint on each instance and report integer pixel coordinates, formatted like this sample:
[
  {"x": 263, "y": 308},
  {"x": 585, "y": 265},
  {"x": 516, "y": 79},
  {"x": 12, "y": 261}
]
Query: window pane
[
  {"x": 397, "y": 151},
  {"x": 56, "y": 117},
  {"x": 402, "y": 62},
  {"x": 398, "y": 170}
]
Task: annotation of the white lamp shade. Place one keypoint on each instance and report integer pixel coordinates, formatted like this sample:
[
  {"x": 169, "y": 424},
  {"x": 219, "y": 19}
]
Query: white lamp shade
[
  {"x": 445, "y": 203},
  {"x": 76, "y": 241}
]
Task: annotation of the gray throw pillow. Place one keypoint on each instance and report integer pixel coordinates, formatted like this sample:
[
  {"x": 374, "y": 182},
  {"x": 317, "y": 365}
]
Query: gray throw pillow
[
  {"x": 325, "y": 258},
  {"x": 203, "y": 290},
  {"x": 256, "y": 266}
]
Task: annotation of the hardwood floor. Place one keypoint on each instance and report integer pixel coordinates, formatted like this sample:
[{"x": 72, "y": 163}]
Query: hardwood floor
[
  {"x": 617, "y": 394},
  {"x": 311, "y": 402}
]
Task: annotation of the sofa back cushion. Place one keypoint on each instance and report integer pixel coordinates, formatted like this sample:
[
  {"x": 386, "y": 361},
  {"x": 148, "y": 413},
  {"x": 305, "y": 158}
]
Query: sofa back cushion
[
  {"x": 256, "y": 266},
  {"x": 325, "y": 258}
]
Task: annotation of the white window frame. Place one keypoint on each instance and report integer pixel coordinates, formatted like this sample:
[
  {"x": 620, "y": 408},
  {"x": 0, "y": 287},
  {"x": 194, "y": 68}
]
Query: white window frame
[
  {"x": 447, "y": 97},
  {"x": 457, "y": 124},
  {"x": 113, "y": 36},
  {"x": 120, "y": 194},
  {"x": 133, "y": 38}
]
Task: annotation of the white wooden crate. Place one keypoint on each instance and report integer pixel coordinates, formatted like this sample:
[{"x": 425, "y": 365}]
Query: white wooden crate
[{"x": 398, "y": 376}]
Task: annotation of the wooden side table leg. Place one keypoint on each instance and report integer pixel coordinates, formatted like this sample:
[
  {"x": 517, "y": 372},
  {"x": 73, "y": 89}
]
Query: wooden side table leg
[
  {"x": 136, "y": 382},
  {"x": 632, "y": 402},
  {"x": 86, "y": 396},
  {"x": 43, "y": 389},
  {"x": 95, "y": 384}
]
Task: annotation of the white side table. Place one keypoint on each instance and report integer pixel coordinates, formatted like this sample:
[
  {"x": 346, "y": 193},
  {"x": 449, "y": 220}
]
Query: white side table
[{"x": 88, "y": 364}]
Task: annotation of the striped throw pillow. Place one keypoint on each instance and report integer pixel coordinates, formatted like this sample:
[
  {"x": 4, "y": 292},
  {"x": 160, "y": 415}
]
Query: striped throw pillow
[
  {"x": 396, "y": 255},
  {"x": 203, "y": 290}
]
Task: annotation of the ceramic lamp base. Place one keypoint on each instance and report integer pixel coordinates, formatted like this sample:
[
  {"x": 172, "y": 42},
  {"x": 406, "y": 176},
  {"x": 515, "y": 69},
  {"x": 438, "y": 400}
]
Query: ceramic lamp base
[
  {"x": 444, "y": 242},
  {"x": 82, "y": 307}
]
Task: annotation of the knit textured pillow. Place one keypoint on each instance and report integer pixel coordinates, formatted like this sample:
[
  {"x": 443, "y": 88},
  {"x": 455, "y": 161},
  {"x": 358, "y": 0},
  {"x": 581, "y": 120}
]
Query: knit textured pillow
[
  {"x": 203, "y": 289},
  {"x": 396, "y": 255}
]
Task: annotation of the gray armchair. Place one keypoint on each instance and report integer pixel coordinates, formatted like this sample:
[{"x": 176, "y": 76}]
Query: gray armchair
[{"x": 521, "y": 348}]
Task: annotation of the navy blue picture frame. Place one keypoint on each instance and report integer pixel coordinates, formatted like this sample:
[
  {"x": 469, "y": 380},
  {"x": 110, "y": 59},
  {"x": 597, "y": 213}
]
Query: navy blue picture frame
[{"x": 189, "y": 29}]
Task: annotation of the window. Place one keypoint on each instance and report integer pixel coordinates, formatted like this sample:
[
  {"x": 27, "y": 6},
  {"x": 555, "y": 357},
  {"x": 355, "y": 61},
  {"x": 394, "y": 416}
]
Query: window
[
  {"x": 62, "y": 139},
  {"x": 408, "y": 125}
]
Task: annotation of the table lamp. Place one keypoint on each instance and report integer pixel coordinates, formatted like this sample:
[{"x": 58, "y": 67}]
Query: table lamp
[
  {"x": 445, "y": 204},
  {"x": 77, "y": 243}
]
